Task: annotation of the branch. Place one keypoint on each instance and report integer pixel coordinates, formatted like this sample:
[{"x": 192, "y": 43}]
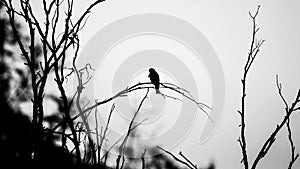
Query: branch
[
  {"x": 149, "y": 85},
  {"x": 194, "y": 165},
  {"x": 11, "y": 14},
  {"x": 293, "y": 156},
  {"x": 57, "y": 54},
  {"x": 123, "y": 145},
  {"x": 271, "y": 139},
  {"x": 143, "y": 159},
  {"x": 178, "y": 160},
  {"x": 253, "y": 51},
  {"x": 106, "y": 153},
  {"x": 106, "y": 129}
]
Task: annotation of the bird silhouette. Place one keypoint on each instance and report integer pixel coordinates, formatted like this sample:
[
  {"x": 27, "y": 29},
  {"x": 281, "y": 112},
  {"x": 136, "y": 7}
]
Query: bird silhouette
[{"x": 154, "y": 78}]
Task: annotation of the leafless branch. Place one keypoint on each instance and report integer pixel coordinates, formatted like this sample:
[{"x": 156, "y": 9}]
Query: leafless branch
[
  {"x": 294, "y": 156},
  {"x": 54, "y": 53},
  {"x": 120, "y": 138},
  {"x": 123, "y": 144},
  {"x": 148, "y": 85},
  {"x": 106, "y": 129},
  {"x": 271, "y": 139},
  {"x": 189, "y": 161},
  {"x": 178, "y": 160},
  {"x": 253, "y": 51}
]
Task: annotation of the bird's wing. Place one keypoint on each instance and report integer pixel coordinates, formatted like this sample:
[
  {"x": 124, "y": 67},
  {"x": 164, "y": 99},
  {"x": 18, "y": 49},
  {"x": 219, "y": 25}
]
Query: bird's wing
[{"x": 154, "y": 78}]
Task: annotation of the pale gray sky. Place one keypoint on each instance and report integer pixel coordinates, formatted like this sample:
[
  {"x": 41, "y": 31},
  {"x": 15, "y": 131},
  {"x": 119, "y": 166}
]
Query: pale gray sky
[{"x": 227, "y": 26}]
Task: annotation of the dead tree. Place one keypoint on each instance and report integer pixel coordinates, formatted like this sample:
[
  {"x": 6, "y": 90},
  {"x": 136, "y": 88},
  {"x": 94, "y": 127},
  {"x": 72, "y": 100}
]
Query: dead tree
[{"x": 254, "y": 50}]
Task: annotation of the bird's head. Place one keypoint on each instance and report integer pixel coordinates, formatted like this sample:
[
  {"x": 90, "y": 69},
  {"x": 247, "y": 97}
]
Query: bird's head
[{"x": 151, "y": 70}]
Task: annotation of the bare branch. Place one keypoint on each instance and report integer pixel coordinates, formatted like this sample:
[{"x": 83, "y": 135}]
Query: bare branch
[
  {"x": 271, "y": 139},
  {"x": 177, "y": 159},
  {"x": 253, "y": 51},
  {"x": 106, "y": 129},
  {"x": 120, "y": 138},
  {"x": 294, "y": 156},
  {"x": 279, "y": 87},
  {"x": 123, "y": 144},
  {"x": 148, "y": 85},
  {"x": 189, "y": 161},
  {"x": 55, "y": 61}
]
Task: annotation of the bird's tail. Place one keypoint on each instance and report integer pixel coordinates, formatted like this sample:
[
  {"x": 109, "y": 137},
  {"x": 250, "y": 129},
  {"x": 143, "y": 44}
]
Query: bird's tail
[{"x": 158, "y": 92}]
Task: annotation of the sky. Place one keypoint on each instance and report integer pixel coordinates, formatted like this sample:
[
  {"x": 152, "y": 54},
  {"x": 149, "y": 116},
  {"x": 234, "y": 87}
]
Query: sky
[{"x": 226, "y": 27}]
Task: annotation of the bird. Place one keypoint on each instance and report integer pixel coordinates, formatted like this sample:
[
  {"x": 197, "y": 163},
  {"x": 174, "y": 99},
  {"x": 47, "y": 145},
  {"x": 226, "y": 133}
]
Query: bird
[{"x": 154, "y": 78}]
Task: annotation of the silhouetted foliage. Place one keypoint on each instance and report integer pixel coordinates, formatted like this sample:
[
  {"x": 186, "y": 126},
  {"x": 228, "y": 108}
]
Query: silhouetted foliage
[
  {"x": 15, "y": 142},
  {"x": 15, "y": 127}
]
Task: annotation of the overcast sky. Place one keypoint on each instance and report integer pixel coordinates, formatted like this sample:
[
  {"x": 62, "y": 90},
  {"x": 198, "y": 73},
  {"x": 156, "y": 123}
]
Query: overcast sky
[{"x": 227, "y": 27}]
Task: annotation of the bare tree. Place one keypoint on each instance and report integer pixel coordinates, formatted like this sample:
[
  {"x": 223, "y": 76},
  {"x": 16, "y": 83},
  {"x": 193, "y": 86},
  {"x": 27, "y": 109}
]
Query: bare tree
[
  {"x": 254, "y": 50},
  {"x": 54, "y": 47}
]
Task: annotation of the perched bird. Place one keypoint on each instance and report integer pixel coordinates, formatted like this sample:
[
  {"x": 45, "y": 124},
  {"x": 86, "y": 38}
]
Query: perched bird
[{"x": 154, "y": 78}]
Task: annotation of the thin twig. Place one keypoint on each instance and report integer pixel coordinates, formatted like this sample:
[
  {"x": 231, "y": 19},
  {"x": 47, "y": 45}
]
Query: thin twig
[
  {"x": 120, "y": 138},
  {"x": 106, "y": 127},
  {"x": 189, "y": 161},
  {"x": 97, "y": 136},
  {"x": 177, "y": 159},
  {"x": 123, "y": 144}
]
